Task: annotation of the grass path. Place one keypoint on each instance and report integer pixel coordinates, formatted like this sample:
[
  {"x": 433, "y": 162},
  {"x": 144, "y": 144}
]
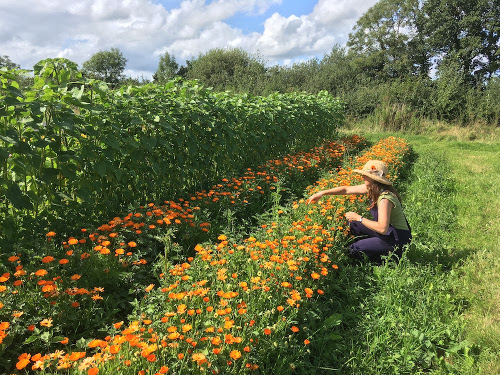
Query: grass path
[
  {"x": 462, "y": 236},
  {"x": 476, "y": 169}
]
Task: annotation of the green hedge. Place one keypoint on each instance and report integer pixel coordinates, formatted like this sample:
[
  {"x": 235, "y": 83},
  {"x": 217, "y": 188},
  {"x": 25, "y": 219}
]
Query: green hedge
[{"x": 72, "y": 149}]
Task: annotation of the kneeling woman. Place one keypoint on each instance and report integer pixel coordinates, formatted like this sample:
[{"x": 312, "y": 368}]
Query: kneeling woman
[{"x": 388, "y": 230}]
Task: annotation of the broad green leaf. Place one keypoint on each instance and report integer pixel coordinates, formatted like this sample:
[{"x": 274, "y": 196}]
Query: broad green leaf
[
  {"x": 333, "y": 320},
  {"x": 31, "y": 339},
  {"x": 112, "y": 141},
  {"x": 18, "y": 199}
]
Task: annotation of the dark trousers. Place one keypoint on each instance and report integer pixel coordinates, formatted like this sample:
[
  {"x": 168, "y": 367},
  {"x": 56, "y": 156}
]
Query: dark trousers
[{"x": 375, "y": 244}]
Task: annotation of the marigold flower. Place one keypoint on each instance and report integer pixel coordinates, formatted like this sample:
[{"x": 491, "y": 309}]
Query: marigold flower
[
  {"x": 93, "y": 371},
  {"x": 235, "y": 354},
  {"x": 22, "y": 363},
  {"x": 199, "y": 358},
  {"x": 46, "y": 322},
  {"x": 267, "y": 331},
  {"x": 47, "y": 259},
  {"x": 75, "y": 356}
]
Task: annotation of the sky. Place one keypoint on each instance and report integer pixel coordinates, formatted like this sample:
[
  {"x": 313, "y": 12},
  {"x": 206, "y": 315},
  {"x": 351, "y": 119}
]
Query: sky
[{"x": 280, "y": 32}]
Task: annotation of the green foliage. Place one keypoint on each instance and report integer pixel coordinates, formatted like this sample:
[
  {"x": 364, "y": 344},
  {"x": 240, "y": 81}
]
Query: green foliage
[
  {"x": 107, "y": 66},
  {"x": 468, "y": 30},
  {"x": 73, "y": 150},
  {"x": 167, "y": 69},
  {"x": 5, "y": 61},
  {"x": 227, "y": 69}
]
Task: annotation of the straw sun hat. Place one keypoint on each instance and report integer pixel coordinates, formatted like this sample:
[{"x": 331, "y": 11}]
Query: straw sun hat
[{"x": 376, "y": 170}]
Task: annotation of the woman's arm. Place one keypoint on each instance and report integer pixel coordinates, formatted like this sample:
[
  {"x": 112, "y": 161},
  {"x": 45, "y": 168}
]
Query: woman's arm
[
  {"x": 384, "y": 216},
  {"x": 339, "y": 190}
]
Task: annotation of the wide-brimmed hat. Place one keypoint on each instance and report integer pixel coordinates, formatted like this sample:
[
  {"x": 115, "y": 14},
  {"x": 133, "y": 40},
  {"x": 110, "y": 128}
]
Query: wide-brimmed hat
[{"x": 376, "y": 170}]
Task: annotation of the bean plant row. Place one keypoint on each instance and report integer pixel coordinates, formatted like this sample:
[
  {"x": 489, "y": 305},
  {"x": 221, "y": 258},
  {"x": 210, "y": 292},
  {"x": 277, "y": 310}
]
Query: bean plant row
[{"x": 73, "y": 150}]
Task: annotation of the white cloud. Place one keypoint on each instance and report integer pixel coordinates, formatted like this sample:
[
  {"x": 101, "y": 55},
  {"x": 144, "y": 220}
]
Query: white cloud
[{"x": 34, "y": 30}]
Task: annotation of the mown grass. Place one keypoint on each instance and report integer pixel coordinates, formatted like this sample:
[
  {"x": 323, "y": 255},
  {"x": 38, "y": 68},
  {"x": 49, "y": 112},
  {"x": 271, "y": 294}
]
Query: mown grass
[{"x": 437, "y": 310}]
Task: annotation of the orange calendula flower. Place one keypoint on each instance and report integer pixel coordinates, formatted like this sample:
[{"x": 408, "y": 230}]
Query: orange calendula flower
[
  {"x": 46, "y": 322},
  {"x": 51, "y": 234},
  {"x": 235, "y": 354},
  {"x": 267, "y": 331},
  {"x": 47, "y": 259},
  {"x": 22, "y": 363},
  {"x": 199, "y": 358}
]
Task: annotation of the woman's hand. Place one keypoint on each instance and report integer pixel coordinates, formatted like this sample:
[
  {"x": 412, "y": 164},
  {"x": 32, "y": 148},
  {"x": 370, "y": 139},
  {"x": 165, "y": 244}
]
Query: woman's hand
[
  {"x": 352, "y": 216},
  {"x": 315, "y": 197}
]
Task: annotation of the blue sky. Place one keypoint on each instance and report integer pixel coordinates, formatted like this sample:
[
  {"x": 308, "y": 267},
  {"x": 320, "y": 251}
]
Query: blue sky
[{"x": 278, "y": 31}]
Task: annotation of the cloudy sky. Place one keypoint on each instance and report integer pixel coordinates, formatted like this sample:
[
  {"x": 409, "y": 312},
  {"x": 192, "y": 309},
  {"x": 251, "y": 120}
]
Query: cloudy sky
[{"x": 279, "y": 31}]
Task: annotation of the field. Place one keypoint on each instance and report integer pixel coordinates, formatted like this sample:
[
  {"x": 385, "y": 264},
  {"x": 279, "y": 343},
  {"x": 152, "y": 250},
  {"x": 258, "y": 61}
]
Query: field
[{"x": 231, "y": 271}]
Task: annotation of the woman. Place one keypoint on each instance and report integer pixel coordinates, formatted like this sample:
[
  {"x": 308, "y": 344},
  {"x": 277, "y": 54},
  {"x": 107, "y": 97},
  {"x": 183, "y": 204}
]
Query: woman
[{"x": 389, "y": 230}]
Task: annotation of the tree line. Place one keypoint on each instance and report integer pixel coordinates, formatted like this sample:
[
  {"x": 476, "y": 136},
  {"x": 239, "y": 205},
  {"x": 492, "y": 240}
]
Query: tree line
[{"x": 404, "y": 60}]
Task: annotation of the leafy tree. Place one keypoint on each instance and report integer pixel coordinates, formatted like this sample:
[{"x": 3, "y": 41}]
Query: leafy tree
[
  {"x": 227, "y": 69},
  {"x": 107, "y": 66},
  {"x": 5, "y": 61},
  {"x": 386, "y": 41},
  {"x": 468, "y": 29},
  {"x": 167, "y": 68},
  {"x": 451, "y": 88},
  {"x": 338, "y": 72}
]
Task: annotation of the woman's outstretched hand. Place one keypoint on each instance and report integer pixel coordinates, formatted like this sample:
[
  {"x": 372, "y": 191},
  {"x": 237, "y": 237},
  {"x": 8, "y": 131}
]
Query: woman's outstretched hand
[{"x": 315, "y": 197}]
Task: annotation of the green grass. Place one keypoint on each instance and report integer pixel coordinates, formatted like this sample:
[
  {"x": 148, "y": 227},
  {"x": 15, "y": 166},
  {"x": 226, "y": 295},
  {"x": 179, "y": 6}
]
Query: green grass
[{"x": 437, "y": 310}]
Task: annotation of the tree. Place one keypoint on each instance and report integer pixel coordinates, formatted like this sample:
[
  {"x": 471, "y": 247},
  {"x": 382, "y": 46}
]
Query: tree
[
  {"x": 107, "y": 66},
  {"x": 167, "y": 68},
  {"x": 227, "y": 69},
  {"x": 6, "y": 62},
  {"x": 467, "y": 29},
  {"x": 387, "y": 40}
]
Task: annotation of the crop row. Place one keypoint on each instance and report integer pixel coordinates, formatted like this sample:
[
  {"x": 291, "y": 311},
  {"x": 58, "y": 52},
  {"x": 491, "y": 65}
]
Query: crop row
[
  {"x": 69, "y": 280},
  {"x": 232, "y": 307},
  {"x": 73, "y": 150}
]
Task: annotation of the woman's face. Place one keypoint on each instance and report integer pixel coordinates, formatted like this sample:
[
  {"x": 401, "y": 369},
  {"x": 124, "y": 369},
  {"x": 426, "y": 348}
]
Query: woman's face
[{"x": 368, "y": 181}]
